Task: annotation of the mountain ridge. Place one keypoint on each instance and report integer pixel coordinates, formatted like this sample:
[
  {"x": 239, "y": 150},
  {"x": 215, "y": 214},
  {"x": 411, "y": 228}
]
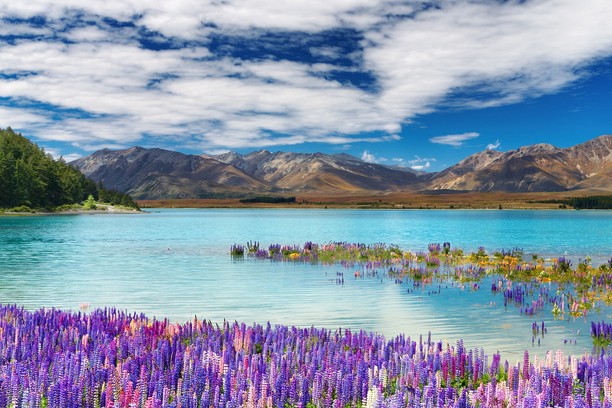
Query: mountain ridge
[
  {"x": 534, "y": 168},
  {"x": 157, "y": 173}
]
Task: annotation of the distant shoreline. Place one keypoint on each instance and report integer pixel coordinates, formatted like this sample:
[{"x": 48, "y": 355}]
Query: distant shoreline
[
  {"x": 105, "y": 211},
  {"x": 396, "y": 201}
]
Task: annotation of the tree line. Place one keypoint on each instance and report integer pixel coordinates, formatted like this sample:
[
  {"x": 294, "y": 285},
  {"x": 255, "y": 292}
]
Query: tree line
[
  {"x": 269, "y": 200},
  {"x": 30, "y": 177},
  {"x": 603, "y": 202},
  {"x": 590, "y": 202}
]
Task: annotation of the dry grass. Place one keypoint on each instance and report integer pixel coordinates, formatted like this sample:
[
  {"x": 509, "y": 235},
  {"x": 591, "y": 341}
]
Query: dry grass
[{"x": 469, "y": 200}]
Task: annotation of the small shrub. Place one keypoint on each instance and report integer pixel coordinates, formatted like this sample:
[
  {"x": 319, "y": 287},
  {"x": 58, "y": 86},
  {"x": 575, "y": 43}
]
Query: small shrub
[
  {"x": 22, "y": 209},
  {"x": 90, "y": 203}
]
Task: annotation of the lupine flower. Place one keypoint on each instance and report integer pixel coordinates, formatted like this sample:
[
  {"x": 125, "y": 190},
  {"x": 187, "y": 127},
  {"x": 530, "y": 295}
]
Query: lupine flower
[
  {"x": 109, "y": 358},
  {"x": 582, "y": 289},
  {"x": 237, "y": 250}
]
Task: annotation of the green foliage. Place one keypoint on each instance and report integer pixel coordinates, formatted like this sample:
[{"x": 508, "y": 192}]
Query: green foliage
[
  {"x": 237, "y": 250},
  {"x": 68, "y": 207},
  {"x": 31, "y": 178},
  {"x": 601, "y": 342},
  {"x": 22, "y": 209},
  {"x": 582, "y": 203},
  {"x": 591, "y": 202},
  {"x": 114, "y": 197},
  {"x": 253, "y": 246},
  {"x": 269, "y": 200},
  {"x": 90, "y": 203}
]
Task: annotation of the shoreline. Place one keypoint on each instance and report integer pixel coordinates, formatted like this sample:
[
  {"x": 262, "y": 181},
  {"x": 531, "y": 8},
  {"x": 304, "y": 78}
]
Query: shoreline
[
  {"x": 73, "y": 211},
  {"x": 390, "y": 201}
]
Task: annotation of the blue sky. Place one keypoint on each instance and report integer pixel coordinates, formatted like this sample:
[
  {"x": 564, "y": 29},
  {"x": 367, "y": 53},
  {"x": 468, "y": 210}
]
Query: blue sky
[{"x": 421, "y": 84}]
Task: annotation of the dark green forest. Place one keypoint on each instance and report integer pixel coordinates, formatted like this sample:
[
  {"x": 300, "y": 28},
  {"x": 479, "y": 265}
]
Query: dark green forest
[
  {"x": 590, "y": 202},
  {"x": 31, "y": 178},
  {"x": 269, "y": 200},
  {"x": 582, "y": 203}
]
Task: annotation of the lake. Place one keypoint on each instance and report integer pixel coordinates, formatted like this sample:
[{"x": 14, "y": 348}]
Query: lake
[{"x": 175, "y": 264}]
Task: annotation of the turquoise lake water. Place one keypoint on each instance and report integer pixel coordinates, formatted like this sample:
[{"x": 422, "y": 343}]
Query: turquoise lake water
[{"x": 175, "y": 264}]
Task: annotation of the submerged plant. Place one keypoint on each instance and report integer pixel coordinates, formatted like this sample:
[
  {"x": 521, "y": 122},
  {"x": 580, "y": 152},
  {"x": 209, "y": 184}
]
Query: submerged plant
[
  {"x": 582, "y": 289},
  {"x": 253, "y": 246},
  {"x": 237, "y": 250}
]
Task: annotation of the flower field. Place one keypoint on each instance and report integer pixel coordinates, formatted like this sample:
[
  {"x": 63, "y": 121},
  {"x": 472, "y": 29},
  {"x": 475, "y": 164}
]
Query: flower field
[{"x": 108, "y": 358}]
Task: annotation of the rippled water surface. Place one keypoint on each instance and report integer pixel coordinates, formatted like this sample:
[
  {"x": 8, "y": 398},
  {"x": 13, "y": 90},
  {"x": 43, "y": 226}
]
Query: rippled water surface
[{"x": 175, "y": 264}]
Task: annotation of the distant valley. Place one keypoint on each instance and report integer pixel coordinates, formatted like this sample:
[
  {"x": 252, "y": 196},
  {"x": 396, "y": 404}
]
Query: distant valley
[{"x": 163, "y": 174}]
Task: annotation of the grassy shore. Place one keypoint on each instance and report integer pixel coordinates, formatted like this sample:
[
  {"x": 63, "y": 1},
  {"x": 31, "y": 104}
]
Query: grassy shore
[
  {"x": 428, "y": 200},
  {"x": 76, "y": 209}
]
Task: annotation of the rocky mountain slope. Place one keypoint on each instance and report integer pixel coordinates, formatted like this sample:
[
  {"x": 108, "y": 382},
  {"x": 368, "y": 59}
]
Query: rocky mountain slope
[
  {"x": 539, "y": 167},
  {"x": 157, "y": 173},
  {"x": 319, "y": 172}
]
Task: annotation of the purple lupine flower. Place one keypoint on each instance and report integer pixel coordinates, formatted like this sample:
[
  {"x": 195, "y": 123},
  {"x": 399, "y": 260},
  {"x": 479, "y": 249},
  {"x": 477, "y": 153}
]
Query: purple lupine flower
[{"x": 132, "y": 361}]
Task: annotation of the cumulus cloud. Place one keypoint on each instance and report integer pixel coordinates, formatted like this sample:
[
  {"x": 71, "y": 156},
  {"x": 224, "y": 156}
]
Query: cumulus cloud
[
  {"x": 57, "y": 154},
  {"x": 113, "y": 73},
  {"x": 419, "y": 167},
  {"x": 418, "y": 163},
  {"x": 454, "y": 140},
  {"x": 493, "y": 146},
  {"x": 368, "y": 157}
]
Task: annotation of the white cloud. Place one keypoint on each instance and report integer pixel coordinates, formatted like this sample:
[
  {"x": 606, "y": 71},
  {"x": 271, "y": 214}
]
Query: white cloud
[
  {"x": 418, "y": 163},
  {"x": 215, "y": 152},
  {"x": 292, "y": 15},
  {"x": 88, "y": 34},
  {"x": 368, "y": 157},
  {"x": 19, "y": 119},
  {"x": 492, "y": 53},
  {"x": 424, "y": 166},
  {"x": 57, "y": 154},
  {"x": 196, "y": 99},
  {"x": 326, "y": 51},
  {"x": 189, "y": 18},
  {"x": 493, "y": 146},
  {"x": 417, "y": 160},
  {"x": 454, "y": 140},
  {"x": 509, "y": 51},
  {"x": 17, "y": 29}
]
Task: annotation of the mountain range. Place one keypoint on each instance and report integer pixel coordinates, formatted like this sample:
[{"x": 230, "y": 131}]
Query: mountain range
[{"x": 157, "y": 173}]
